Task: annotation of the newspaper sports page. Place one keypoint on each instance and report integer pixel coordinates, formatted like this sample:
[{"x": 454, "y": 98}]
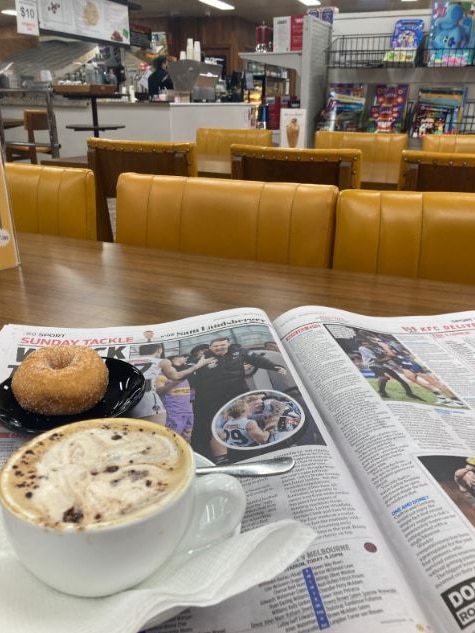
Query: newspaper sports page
[
  {"x": 398, "y": 396},
  {"x": 248, "y": 402}
]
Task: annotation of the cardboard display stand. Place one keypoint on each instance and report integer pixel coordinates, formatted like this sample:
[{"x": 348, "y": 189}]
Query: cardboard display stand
[
  {"x": 293, "y": 124},
  {"x": 9, "y": 256}
]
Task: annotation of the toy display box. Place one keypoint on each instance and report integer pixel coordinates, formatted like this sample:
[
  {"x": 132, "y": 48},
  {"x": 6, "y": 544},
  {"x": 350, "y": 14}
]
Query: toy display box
[
  {"x": 405, "y": 43},
  {"x": 452, "y": 34}
]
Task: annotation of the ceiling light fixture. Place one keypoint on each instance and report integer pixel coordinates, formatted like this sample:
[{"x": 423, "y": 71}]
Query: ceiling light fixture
[
  {"x": 8, "y": 12},
  {"x": 310, "y": 3},
  {"x": 217, "y": 4}
]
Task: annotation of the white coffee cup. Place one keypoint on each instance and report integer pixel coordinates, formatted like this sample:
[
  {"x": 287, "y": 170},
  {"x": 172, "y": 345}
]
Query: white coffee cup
[{"x": 111, "y": 553}]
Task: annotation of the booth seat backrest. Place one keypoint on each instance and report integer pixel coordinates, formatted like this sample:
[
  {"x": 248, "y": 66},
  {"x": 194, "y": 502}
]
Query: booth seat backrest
[
  {"x": 463, "y": 143},
  {"x": 339, "y": 167},
  {"x": 52, "y": 200},
  {"x": 406, "y": 233},
  {"x": 285, "y": 223},
  {"x": 110, "y": 157},
  {"x": 218, "y": 141},
  {"x": 381, "y": 152},
  {"x": 437, "y": 171}
]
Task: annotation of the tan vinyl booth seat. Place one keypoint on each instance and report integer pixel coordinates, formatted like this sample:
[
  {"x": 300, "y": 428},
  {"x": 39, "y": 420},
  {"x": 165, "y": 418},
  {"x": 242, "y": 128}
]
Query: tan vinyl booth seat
[
  {"x": 407, "y": 234},
  {"x": 436, "y": 171},
  {"x": 52, "y": 200},
  {"x": 217, "y": 141},
  {"x": 339, "y": 167},
  {"x": 284, "y": 223},
  {"x": 381, "y": 153},
  {"x": 457, "y": 143}
]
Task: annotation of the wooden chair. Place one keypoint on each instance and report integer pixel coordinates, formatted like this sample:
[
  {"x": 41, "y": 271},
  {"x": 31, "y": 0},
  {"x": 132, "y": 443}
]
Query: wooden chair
[
  {"x": 109, "y": 158},
  {"x": 381, "y": 154},
  {"x": 406, "y": 233},
  {"x": 284, "y": 223},
  {"x": 218, "y": 141},
  {"x": 34, "y": 121},
  {"x": 52, "y": 200},
  {"x": 436, "y": 171},
  {"x": 455, "y": 143},
  {"x": 341, "y": 168}
]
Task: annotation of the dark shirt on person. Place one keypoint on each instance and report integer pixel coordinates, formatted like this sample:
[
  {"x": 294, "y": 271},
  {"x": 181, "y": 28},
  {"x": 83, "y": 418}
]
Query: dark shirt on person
[
  {"x": 159, "y": 80},
  {"x": 225, "y": 379},
  {"x": 216, "y": 384}
]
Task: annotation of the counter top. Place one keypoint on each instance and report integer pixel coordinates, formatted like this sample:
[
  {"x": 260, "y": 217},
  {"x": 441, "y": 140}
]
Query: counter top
[
  {"x": 164, "y": 104},
  {"x": 156, "y": 121},
  {"x": 83, "y": 101}
]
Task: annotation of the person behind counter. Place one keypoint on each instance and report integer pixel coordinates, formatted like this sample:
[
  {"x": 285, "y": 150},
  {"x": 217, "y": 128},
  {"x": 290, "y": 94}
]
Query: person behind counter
[{"x": 159, "y": 79}]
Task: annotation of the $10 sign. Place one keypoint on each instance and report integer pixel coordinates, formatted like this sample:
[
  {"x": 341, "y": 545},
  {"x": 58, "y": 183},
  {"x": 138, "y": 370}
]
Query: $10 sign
[{"x": 27, "y": 17}]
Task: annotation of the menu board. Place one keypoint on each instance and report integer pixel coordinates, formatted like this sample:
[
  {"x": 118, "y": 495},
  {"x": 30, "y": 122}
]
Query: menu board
[
  {"x": 96, "y": 20},
  {"x": 140, "y": 35}
]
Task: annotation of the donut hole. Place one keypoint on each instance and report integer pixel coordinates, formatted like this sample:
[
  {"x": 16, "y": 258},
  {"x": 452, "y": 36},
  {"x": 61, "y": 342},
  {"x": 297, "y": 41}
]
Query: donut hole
[
  {"x": 59, "y": 363},
  {"x": 58, "y": 359}
]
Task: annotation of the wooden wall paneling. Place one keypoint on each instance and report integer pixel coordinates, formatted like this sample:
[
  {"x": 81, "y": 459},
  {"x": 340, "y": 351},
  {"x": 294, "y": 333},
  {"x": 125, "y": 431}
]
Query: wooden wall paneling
[
  {"x": 218, "y": 35},
  {"x": 12, "y": 42}
]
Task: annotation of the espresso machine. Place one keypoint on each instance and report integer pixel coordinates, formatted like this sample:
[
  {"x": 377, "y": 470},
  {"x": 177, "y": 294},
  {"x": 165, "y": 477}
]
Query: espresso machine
[{"x": 196, "y": 79}]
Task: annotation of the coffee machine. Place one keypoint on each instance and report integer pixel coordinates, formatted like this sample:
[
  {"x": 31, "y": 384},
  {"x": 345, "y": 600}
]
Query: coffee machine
[{"x": 198, "y": 79}]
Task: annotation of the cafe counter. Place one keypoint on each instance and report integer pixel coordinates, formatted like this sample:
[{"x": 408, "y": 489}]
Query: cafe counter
[{"x": 143, "y": 121}]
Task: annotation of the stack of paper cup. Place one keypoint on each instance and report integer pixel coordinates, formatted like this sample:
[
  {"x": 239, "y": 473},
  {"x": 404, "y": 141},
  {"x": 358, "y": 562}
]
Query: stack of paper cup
[
  {"x": 197, "y": 51},
  {"x": 182, "y": 55},
  {"x": 189, "y": 48}
]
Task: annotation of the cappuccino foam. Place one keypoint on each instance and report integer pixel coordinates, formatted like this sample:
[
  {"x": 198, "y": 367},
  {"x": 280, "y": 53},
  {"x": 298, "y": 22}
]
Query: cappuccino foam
[{"x": 95, "y": 472}]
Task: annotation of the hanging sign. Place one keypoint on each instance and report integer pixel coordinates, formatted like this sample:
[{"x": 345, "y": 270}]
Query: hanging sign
[{"x": 27, "y": 17}]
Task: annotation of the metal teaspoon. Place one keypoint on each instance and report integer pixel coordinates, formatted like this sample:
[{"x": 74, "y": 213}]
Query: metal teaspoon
[{"x": 274, "y": 466}]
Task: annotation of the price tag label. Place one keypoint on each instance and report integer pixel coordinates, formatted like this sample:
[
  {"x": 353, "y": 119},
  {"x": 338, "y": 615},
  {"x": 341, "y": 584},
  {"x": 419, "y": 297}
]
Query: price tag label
[{"x": 27, "y": 17}]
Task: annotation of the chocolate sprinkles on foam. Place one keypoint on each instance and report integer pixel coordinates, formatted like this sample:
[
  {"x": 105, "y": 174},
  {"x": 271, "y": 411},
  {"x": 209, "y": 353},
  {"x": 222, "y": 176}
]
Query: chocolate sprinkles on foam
[{"x": 140, "y": 475}]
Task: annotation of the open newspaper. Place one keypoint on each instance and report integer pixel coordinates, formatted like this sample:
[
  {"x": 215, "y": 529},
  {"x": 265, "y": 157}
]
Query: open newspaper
[{"x": 379, "y": 416}]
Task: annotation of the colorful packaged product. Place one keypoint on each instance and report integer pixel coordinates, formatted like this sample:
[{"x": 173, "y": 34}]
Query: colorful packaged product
[{"x": 452, "y": 35}]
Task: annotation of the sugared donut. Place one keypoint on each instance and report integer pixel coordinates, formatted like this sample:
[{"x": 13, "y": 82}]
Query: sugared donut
[{"x": 60, "y": 380}]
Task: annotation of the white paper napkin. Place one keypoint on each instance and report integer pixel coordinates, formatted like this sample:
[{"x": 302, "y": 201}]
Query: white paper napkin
[{"x": 204, "y": 579}]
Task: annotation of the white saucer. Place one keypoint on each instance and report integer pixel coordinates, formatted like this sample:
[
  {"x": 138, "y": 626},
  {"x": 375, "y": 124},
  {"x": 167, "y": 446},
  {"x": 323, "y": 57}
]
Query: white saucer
[
  {"x": 171, "y": 564},
  {"x": 167, "y": 615},
  {"x": 202, "y": 461}
]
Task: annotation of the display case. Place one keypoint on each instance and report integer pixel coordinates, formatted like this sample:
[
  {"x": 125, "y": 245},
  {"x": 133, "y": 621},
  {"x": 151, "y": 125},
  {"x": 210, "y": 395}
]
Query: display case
[{"x": 267, "y": 81}]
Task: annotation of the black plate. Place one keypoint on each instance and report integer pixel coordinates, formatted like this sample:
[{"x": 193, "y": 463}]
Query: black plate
[{"x": 126, "y": 387}]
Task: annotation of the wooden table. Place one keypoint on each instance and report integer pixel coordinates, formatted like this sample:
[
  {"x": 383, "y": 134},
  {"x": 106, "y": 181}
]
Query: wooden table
[
  {"x": 74, "y": 283},
  {"x": 93, "y": 97},
  {"x": 68, "y": 161},
  {"x": 84, "y": 127},
  {"x": 9, "y": 123}
]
